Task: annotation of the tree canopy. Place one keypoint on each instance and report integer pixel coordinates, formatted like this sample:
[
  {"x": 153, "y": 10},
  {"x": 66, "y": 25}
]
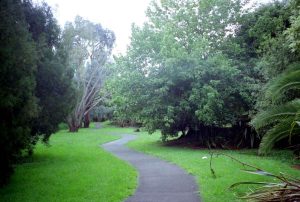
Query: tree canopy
[
  {"x": 36, "y": 85},
  {"x": 196, "y": 69},
  {"x": 176, "y": 77}
]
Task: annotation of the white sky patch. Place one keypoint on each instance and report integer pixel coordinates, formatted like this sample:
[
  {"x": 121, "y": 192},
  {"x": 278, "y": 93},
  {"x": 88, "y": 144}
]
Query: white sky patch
[{"x": 116, "y": 15}]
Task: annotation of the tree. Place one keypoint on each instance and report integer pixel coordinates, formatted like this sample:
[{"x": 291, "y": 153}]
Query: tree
[
  {"x": 89, "y": 47},
  {"x": 35, "y": 85},
  {"x": 54, "y": 88},
  {"x": 176, "y": 77},
  {"x": 292, "y": 32},
  {"x": 18, "y": 105}
]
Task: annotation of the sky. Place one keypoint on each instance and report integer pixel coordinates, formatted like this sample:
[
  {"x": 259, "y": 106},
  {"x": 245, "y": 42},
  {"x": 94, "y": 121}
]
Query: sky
[{"x": 116, "y": 15}]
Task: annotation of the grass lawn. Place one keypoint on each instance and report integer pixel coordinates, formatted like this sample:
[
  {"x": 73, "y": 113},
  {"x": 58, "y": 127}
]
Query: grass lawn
[
  {"x": 73, "y": 168},
  {"x": 227, "y": 171}
]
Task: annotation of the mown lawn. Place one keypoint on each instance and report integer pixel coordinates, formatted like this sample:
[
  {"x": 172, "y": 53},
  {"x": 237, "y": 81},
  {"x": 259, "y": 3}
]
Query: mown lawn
[
  {"x": 227, "y": 171},
  {"x": 73, "y": 168}
]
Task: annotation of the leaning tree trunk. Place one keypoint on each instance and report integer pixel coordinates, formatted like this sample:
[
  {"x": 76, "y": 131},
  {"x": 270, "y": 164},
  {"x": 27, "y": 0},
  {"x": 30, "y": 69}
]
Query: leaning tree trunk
[
  {"x": 86, "y": 121},
  {"x": 90, "y": 96},
  {"x": 90, "y": 85},
  {"x": 73, "y": 128},
  {"x": 73, "y": 124}
]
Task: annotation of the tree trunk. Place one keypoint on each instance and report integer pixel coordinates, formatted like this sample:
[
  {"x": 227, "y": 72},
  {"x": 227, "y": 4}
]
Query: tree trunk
[
  {"x": 73, "y": 129},
  {"x": 73, "y": 126},
  {"x": 86, "y": 122}
]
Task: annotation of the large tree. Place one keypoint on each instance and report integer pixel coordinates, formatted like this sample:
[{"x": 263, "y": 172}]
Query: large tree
[
  {"x": 54, "y": 88},
  {"x": 36, "y": 86},
  {"x": 18, "y": 104},
  {"x": 176, "y": 77},
  {"x": 88, "y": 46}
]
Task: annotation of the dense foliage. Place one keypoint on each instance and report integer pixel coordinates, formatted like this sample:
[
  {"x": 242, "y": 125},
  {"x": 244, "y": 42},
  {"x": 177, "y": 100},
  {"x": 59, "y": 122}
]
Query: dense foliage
[
  {"x": 35, "y": 86},
  {"x": 278, "y": 117},
  {"x": 195, "y": 69},
  {"x": 54, "y": 88},
  {"x": 176, "y": 77},
  {"x": 18, "y": 67}
]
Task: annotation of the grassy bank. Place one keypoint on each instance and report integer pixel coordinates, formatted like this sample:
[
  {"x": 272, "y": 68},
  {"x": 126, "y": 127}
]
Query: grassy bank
[
  {"x": 227, "y": 171},
  {"x": 73, "y": 168}
]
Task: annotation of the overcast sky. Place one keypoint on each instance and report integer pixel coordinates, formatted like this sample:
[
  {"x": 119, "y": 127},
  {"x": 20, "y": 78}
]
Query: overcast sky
[{"x": 116, "y": 15}]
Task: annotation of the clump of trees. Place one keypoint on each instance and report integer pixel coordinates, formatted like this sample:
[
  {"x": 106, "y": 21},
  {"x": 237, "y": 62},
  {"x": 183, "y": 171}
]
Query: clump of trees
[
  {"x": 201, "y": 70},
  {"x": 178, "y": 75},
  {"x": 35, "y": 84}
]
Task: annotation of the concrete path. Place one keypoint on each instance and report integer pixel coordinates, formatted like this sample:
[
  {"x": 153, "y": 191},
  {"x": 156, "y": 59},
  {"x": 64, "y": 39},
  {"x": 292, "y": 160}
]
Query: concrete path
[{"x": 159, "y": 181}]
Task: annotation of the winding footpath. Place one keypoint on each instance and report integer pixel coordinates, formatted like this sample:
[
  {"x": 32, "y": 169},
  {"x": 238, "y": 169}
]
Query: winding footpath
[{"x": 159, "y": 181}]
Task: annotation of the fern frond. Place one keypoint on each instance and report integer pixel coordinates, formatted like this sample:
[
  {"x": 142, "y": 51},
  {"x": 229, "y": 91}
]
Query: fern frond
[{"x": 277, "y": 113}]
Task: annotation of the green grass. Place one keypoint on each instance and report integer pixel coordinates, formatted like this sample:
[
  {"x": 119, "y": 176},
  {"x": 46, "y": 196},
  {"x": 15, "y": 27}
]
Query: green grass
[
  {"x": 73, "y": 168},
  {"x": 227, "y": 171}
]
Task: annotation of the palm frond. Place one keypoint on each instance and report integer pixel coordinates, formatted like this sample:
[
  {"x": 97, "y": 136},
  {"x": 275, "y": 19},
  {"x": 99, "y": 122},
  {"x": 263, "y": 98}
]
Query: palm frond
[
  {"x": 285, "y": 82},
  {"x": 278, "y": 132},
  {"x": 277, "y": 113}
]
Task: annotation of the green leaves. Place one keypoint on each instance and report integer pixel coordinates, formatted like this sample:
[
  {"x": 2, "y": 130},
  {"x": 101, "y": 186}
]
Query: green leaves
[
  {"x": 174, "y": 76},
  {"x": 292, "y": 33},
  {"x": 276, "y": 113},
  {"x": 35, "y": 85},
  {"x": 18, "y": 66},
  {"x": 282, "y": 130},
  {"x": 284, "y": 83},
  {"x": 280, "y": 121}
]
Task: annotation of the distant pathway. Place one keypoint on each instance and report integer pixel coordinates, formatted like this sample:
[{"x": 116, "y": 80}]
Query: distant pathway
[{"x": 159, "y": 181}]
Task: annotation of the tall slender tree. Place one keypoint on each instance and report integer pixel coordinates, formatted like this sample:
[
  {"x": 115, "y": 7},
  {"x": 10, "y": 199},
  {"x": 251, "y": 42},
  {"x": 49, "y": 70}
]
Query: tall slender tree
[{"x": 89, "y": 47}]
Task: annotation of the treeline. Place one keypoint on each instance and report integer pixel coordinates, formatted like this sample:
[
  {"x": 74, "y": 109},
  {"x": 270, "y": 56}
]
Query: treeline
[{"x": 203, "y": 70}]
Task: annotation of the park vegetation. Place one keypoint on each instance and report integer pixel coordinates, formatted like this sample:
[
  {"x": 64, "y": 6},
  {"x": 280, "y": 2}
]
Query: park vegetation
[
  {"x": 219, "y": 74},
  {"x": 213, "y": 73},
  {"x": 47, "y": 76}
]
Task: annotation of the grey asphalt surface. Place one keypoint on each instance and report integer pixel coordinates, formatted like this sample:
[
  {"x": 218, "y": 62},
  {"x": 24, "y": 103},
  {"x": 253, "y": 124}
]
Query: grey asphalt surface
[{"x": 159, "y": 181}]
